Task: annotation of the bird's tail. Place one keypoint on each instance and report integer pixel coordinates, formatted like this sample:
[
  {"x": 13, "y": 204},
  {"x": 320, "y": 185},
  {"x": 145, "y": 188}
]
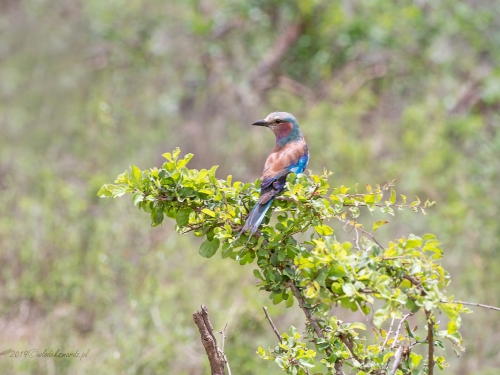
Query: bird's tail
[
  {"x": 255, "y": 218},
  {"x": 253, "y": 221}
]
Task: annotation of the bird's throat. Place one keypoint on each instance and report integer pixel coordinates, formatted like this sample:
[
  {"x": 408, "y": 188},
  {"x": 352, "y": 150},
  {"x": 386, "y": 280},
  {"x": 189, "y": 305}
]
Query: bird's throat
[{"x": 285, "y": 133}]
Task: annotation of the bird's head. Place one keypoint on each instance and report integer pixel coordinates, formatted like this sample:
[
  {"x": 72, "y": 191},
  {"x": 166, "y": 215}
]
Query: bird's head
[{"x": 283, "y": 124}]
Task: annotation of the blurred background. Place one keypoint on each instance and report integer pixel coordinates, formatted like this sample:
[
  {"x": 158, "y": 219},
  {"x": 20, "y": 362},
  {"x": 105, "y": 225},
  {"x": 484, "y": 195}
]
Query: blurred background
[{"x": 383, "y": 90}]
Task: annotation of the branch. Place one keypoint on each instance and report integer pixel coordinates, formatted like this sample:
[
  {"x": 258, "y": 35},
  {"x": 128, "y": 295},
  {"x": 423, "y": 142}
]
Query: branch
[
  {"x": 317, "y": 329},
  {"x": 399, "y": 328},
  {"x": 208, "y": 340},
  {"x": 272, "y": 324},
  {"x": 262, "y": 77},
  {"x": 221, "y": 351},
  {"x": 430, "y": 341},
  {"x": 473, "y": 304},
  {"x": 397, "y": 360},
  {"x": 338, "y": 368},
  {"x": 349, "y": 345},
  {"x": 306, "y": 310},
  {"x": 414, "y": 281}
]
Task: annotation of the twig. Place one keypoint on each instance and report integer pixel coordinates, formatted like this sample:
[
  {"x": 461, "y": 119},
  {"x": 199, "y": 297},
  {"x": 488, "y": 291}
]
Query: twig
[
  {"x": 473, "y": 304},
  {"x": 314, "y": 192},
  {"x": 399, "y": 329},
  {"x": 208, "y": 340},
  {"x": 272, "y": 324},
  {"x": 221, "y": 350},
  {"x": 388, "y": 334},
  {"x": 397, "y": 359},
  {"x": 430, "y": 342},
  {"x": 364, "y": 231}
]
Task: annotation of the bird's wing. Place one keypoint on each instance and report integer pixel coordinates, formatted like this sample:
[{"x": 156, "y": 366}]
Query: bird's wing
[{"x": 291, "y": 158}]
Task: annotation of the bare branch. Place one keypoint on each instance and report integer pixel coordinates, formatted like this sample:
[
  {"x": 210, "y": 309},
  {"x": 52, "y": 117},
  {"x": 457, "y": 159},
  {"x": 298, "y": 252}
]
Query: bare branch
[
  {"x": 399, "y": 328},
  {"x": 208, "y": 340},
  {"x": 271, "y": 323},
  {"x": 397, "y": 359},
  {"x": 221, "y": 350}
]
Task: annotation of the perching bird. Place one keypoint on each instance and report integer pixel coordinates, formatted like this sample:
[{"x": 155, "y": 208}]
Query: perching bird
[{"x": 290, "y": 154}]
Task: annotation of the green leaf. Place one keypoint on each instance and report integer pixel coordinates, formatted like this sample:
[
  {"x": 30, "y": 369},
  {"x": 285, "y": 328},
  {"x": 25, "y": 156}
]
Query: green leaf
[
  {"x": 381, "y": 315},
  {"x": 138, "y": 197},
  {"x": 358, "y": 325},
  {"x": 393, "y": 196},
  {"x": 208, "y": 212},
  {"x": 209, "y": 248},
  {"x": 323, "y": 230},
  {"x": 277, "y": 298},
  {"x": 175, "y": 153},
  {"x": 182, "y": 218},
  {"x": 136, "y": 176},
  {"x": 369, "y": 198},
  {"x": 415, "y": 359},
  {"x": 280, "y": 361},
  {"x": 349, "y": 289},
  {"x": 378, "y": 224},
  {"x": 114, "y": 191},
  {"x": 258, "y": 275},
  {"x": 184, "y": 161},
  {"x": 387, "y": 356}
]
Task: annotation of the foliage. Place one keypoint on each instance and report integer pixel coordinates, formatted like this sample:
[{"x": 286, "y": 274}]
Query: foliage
[{"x": 320, "y": 272}]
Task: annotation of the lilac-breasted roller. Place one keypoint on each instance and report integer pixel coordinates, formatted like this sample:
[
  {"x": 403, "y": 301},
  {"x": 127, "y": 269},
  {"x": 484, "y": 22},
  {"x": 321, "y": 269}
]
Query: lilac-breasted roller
[{"x": 290, "y": 154}]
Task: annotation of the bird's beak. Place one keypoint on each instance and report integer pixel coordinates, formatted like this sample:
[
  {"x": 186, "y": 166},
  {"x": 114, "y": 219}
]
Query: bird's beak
[{"x": 260, "y": 123}]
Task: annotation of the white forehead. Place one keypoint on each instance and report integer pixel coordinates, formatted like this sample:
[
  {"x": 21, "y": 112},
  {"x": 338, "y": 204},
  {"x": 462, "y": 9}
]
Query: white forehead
[{"x": 280, "y": 115}]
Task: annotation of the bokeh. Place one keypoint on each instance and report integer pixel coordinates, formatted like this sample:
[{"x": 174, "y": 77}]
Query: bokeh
[{"x": 383, "y": 90}]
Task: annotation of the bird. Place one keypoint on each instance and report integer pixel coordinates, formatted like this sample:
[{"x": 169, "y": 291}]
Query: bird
[{"x": 289, "y": 155}]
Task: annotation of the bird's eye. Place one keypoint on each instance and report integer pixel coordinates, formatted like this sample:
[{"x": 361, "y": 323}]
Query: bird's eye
[{"x": 278, "y": 121}]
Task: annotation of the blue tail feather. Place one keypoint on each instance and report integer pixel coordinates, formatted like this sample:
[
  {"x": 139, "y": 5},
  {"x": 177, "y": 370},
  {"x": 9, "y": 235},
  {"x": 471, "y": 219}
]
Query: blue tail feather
[{"x": 255, "y": 218}]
